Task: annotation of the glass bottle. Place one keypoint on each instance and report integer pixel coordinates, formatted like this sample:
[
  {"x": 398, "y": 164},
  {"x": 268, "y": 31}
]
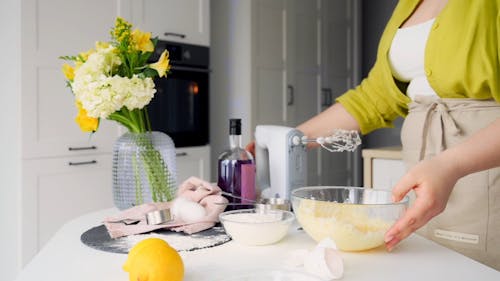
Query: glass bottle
[{"x": 236, "y": 170}]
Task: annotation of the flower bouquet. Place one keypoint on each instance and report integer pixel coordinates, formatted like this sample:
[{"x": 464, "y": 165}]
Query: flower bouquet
[{"x": 115, "y": 81}]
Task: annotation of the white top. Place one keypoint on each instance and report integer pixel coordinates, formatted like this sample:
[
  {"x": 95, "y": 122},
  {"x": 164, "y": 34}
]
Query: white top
[
  {"x": 406, "y": 57},
  {"x": 65, "y": 258}
]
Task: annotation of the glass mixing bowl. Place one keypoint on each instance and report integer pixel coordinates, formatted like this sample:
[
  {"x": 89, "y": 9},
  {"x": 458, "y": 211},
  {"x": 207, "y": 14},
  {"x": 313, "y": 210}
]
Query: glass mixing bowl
[
  {"x": 252, "y": 227},
  {"x": 355, "y": 218}
]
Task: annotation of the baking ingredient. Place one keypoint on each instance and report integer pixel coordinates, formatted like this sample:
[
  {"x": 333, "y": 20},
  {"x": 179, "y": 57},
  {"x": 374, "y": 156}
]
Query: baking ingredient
[
  {"x": 349, "y": 225},
  {"x": 187, "y": 211},
  {"x": 153, "y": 259},
  {"x": 256, "y": 228},
  {"x": 178, "y": 241}
]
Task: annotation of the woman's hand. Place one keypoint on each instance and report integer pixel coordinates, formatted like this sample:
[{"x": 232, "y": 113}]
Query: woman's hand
[{"x": 432, "y": 181}]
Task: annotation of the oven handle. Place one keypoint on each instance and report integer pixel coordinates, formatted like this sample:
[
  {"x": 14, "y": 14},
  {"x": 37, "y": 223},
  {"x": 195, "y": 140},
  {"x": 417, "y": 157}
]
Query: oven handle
[{"x": 187, "y": 68}]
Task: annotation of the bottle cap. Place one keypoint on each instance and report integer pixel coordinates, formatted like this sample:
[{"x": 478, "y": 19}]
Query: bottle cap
[{"x": 235, "y": 126}]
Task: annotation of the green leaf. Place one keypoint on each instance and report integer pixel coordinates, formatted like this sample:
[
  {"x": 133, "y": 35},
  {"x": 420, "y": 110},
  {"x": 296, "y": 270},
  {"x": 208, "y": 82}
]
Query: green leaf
[
  {"x": 70, "y": 58},
  {"x": 149, "y": 72}
]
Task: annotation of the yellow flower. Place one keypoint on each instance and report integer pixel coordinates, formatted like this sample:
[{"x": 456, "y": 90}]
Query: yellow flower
[
  {"x": 86, "y": 123},
  {"x": 69, "y": 71},
  {"x": 85, "y": 55},
  {"x": 142, "y": 41},
  {"x": 162, "y": 66},
  {"x": 101, "y": 45},
  {"x": 121, "y": 32}
]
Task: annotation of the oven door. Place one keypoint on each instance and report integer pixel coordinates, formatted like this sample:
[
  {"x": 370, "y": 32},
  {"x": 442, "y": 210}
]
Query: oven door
[{"x": 180, "y": 106}]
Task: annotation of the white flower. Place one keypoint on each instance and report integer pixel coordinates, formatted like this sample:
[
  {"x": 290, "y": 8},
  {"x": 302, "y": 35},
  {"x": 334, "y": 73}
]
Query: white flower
[
  {"x": 101, "y": 94},
  {"x": 140, "y": 93}
]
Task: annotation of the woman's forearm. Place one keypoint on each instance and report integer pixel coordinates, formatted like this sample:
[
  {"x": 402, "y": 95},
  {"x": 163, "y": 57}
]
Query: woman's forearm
[
  {"x": 479, "y": 152},
  {"x": 323, "y": 124}
]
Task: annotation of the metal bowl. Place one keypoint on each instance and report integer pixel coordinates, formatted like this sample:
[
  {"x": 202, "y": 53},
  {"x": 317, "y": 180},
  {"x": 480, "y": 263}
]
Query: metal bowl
[
  {"x": 355, "y": 218},
  {"x": 266, "y": 204}
]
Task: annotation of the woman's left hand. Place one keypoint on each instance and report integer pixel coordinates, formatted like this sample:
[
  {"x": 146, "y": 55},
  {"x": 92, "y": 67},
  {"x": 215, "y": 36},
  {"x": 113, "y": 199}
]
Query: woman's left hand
[{"x": 432, "y": 181}]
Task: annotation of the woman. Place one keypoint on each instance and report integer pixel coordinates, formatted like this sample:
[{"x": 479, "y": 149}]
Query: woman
[{"x": 437, "y": 64}]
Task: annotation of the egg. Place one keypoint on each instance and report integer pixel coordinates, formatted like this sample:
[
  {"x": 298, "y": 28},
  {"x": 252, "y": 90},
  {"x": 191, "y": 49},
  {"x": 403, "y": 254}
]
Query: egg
[{"x": 187, "y": 211}]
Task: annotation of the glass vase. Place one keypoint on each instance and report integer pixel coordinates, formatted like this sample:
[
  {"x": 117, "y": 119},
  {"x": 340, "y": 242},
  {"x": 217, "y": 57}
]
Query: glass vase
[{"x": 144, "y": 169}]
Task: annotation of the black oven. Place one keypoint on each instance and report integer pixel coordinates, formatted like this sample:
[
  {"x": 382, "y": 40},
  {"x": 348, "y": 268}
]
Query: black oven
[{"x": 180, "y": 105}]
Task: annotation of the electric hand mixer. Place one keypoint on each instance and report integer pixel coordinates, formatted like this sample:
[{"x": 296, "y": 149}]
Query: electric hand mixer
[{"x": 281, "y": 159}]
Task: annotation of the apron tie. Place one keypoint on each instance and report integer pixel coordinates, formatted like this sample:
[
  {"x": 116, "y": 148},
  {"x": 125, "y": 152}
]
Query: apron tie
[{"x": 447, "y": 122}]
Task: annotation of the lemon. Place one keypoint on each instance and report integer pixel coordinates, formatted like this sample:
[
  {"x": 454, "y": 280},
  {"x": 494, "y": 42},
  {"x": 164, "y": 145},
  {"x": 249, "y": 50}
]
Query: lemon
[{"x": 153, "y": 259}]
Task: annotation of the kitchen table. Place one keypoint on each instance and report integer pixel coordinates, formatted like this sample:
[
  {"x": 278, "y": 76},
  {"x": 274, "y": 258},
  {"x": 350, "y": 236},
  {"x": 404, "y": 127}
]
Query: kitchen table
[{"x": 65, "y": 258}]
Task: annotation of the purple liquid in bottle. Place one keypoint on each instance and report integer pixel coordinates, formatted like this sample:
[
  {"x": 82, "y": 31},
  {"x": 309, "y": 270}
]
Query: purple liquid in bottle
[
  {"x": 238, "y": 178},
  {"x": 236, "y": 170}
]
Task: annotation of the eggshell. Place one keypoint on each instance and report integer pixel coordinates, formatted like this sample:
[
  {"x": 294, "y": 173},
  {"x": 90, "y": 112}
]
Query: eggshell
[
  {"x": 334, "y": 263},
  {"x": 325, "y": 261},
  {"x": 296, "y": 258}
]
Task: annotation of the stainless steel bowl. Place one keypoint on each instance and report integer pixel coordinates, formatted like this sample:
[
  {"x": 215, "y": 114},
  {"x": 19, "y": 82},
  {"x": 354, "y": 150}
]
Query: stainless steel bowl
[
  {"x": 355, "y": 218},
  {"x": 266, "y": 204}
]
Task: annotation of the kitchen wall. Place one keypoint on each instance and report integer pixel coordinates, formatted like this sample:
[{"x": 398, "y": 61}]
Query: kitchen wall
[{"x": 10, "y": 139}]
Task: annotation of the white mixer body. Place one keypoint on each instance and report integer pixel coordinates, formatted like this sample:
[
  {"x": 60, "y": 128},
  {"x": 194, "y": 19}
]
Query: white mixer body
[{"x": 281, "y": 160}]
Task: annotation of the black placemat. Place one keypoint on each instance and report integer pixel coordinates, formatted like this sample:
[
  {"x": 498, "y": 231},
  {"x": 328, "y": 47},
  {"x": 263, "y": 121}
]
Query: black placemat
[{"x": 98, "y": 238}]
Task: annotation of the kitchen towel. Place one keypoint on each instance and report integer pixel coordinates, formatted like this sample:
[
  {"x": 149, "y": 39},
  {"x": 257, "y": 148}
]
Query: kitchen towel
[{"x": 133, "y": 220}]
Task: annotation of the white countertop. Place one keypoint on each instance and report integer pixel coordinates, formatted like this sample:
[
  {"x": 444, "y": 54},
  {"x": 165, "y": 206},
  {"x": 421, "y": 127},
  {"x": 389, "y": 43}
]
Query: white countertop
[{"x": 66, "y": 258}]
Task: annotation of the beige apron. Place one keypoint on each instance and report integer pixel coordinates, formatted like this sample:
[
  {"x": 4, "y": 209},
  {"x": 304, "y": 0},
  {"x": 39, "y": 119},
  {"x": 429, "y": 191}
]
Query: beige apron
[{"x": 470, "y": 223}]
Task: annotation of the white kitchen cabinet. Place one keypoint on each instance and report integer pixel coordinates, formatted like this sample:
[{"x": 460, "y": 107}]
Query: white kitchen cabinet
[
  {"x": 56, "y": 190},
  {"x": 386, "y": 173},
  {"x": 185, "y": 21},
  {"x": 193, "y": 161},
  {"x": 383, "y": 167}
]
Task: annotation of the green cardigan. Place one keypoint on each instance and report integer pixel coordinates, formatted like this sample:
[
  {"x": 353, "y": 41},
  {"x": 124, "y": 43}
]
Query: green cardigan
[{"x": 461, "y": 61}]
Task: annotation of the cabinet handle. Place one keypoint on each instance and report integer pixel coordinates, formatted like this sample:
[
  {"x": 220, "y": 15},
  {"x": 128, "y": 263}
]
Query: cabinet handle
[
  {"x": 82, "y": 148},
  {"x": 175, "y": 34},
  {"x": 82, "y": 163},
  {"x": 290, "y": 95},
  {"x": 191, "y": 69},
  {"x": 326, "y": 97},
  {"x": 181, "y": 154}
]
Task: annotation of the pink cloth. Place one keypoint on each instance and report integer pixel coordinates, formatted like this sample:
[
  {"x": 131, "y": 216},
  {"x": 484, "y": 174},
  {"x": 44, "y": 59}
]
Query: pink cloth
[{"x": 193, "y": 189}]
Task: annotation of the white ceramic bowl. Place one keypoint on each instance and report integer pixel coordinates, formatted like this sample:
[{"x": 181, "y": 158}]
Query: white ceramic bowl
[
  {"x": 249, "y": 227},
  {"x": 355, "y": 218}
]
